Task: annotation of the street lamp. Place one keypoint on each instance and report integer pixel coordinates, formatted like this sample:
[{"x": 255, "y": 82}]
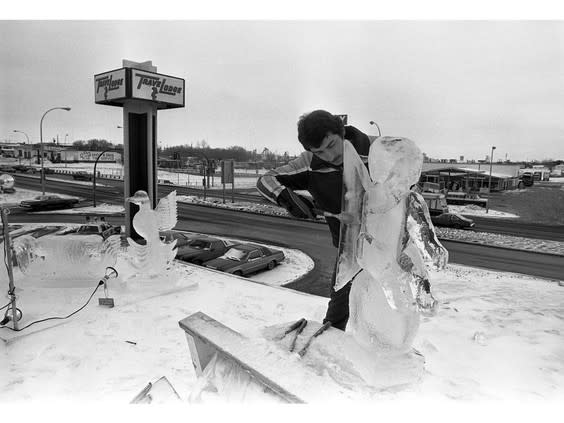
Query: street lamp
[
  {"x": 374, "y": 123},
  {"x": 94, "y": 175},
  {"x": 22, "y": 132},
  {"x": 41, "y": 144},
  {"x": 490, "y": 182}
]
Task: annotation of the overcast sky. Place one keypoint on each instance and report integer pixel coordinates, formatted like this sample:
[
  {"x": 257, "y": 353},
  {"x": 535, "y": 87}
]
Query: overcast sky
[{"x": 456, "y": 88}]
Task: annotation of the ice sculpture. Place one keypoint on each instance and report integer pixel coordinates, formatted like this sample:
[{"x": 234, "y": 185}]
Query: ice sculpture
[
  {"x": 69, "y": 257},
  {"x": 387, "y": 240},
  {"x": 153, "y": 258}
]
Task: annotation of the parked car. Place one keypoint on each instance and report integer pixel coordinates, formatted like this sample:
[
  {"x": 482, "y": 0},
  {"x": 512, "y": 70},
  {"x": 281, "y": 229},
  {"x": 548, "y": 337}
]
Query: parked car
[
  {"x": 46, "y": 202},
  {"x": 81, "y": 175},
  {"x": 181, "y": 238},
  {"x": 243, "y": 259},
  {"x": 96, "y": 227},
  {"x": 452, "y": 220},
  {"x": 200, "y": 249}
]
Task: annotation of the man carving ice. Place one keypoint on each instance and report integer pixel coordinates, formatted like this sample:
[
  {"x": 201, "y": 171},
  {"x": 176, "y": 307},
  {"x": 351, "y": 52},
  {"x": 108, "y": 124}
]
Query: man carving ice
[
  {"x": 318, "y": 170},
  {"x": 410, "y": 244}
]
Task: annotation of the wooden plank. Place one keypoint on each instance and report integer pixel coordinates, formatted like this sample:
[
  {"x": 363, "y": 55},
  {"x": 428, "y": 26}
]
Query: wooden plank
[{"x": 261, "y": 359}]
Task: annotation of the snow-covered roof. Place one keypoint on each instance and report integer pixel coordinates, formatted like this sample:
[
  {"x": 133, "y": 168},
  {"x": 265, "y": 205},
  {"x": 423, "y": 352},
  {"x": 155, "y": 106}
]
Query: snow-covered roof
[{"x": 454, "y": 169}]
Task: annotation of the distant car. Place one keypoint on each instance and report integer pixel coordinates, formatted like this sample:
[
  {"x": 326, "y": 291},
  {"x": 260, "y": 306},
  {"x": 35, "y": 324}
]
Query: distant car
[
  {"x": 244, "y": 259},
  {"x": 24, "y": 168},
  {"x": 104, "y": 229},
  {"x": 452, "y": 220},
  {"x": 81, "y": 175},
  {"x": 7, "y": 169},
  {"x": 48, "y": 202},
  {"x": 200, "y": 249}
]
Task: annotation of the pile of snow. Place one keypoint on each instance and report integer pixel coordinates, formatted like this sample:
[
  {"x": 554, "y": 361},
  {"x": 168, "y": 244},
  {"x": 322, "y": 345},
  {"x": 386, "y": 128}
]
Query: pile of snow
[{"x": 474, "y": 210}]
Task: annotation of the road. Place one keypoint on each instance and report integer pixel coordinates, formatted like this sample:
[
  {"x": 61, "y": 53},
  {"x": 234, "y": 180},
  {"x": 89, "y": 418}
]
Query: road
[
  {"x": 313, "y": 239},
  {"x": 111, "y": 191},
  {"x": 527, "y": 230}
]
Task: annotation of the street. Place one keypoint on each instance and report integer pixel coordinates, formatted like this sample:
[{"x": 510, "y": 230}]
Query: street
[{"x": 310, "y": 237}]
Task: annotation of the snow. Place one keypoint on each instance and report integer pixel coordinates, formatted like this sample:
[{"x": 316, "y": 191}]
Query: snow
[
  {"x": 497, "y": 335},
  {"x": 473, "y": 210}
]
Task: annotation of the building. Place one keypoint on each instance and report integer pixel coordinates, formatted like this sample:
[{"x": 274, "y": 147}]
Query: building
[
  {"x": 539, "y": 172},
  {"x": 452, "y": 178}
]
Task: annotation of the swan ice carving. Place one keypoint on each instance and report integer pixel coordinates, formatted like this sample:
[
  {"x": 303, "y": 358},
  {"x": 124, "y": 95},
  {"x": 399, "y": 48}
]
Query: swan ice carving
[{"x": 153, "y": 258}]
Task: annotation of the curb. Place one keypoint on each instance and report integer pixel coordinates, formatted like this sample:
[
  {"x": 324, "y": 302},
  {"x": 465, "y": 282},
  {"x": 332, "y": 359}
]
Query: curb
[{"x": 500, "y": 248}]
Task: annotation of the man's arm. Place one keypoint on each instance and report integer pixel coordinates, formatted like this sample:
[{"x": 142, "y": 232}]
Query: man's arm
[
  {"x": 294, "y": 176},
  {"x": 277, "y": 185}
]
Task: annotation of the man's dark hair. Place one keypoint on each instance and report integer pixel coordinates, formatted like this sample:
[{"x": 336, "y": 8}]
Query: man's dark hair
[{"x": 313, "y": 127}]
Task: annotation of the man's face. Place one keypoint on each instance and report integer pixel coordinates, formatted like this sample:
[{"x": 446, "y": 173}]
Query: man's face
[{"x": 330, "y": 150}]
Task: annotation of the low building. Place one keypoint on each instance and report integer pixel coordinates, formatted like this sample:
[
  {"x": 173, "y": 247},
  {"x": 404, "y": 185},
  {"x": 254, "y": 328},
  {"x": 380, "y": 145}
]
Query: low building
[
  {"x": 465, "y": 179},
  {"x": 540, "y": 173}
]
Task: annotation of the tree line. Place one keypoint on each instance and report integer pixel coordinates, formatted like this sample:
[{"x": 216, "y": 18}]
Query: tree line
[{"x": 202, "y": 150}]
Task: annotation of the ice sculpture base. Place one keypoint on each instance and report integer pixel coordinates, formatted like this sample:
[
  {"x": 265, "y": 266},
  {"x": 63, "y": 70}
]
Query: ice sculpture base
[
  {"x": 349, "y": 364},
  {"x": 233, "y": 368}
]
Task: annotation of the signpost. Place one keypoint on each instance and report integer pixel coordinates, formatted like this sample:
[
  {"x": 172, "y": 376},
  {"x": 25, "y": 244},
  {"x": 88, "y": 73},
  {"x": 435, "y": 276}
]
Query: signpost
[
  {"x": 344, "y": 118},
  {"x": 228, "y": 176},
  {"x": 141, "y": 92}
]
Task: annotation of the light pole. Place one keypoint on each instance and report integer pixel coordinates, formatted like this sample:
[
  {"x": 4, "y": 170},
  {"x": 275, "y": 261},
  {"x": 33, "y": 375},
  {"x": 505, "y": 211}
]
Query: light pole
[
  {"x": 374, "y": 123},
  {"x": 490, "y": 182},
  {"x": 41, "y": 144},
  {"x": 22, "y": 132},
  {"x": 94, "y": 175}
]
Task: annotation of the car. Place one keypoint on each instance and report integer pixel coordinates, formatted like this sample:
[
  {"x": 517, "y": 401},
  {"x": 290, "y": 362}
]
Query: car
[
  {"x": 200, "y": 249},
  {"x": 96, "y": 227},
  {"x": 243, "y": 259},
  {"x": 452, "y": 220},
  {"x": 24, "y": 168},
  {"x": 48, "y": 202},
  {"x": 81, "y": 175},
  {"x": 7, "y": 169},
  {"x": 181, "y": 238}
]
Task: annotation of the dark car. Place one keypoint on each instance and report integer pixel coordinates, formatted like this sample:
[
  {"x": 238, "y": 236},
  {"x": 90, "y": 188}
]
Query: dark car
[
  {"x": 181, "y": 238},
  {"x": 243, "y": 259},
  {"x": 7, "y": 169},
  {"x": 202, "y": 248},
  {"x": 452, "y": 220},
  {"x": 104, "y": 229},
  {"x": 48, "y": 202},
  {"x": 24, "y": 168},
  {"x": 81, "y": 175}
]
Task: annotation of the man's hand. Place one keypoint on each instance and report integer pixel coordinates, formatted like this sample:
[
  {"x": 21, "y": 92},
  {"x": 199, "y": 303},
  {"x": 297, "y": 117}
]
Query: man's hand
[{"x": 297, "y": 205}]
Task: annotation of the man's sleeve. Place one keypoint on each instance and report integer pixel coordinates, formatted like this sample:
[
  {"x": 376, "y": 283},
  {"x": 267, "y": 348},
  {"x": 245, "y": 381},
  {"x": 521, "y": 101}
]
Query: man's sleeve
[{"x": 294, "y": 175}]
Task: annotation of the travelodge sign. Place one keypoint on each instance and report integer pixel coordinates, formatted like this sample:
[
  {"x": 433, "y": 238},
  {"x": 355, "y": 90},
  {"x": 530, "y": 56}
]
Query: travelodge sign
[{"x": 114, "y": 87}]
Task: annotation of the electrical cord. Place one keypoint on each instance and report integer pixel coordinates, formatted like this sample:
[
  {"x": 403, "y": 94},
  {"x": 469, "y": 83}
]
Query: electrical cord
[
  {"x": 56, "y": 318},
  {"x": 6, "y": 306}
]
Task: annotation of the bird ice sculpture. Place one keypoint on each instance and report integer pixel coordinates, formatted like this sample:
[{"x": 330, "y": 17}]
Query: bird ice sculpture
[
  {"x": 387, "y": 243},
  {"x": 152, "y": 258}
]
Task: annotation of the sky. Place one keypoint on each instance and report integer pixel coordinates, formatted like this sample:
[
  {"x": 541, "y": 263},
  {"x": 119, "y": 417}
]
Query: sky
[{"x": 456, "y": 88}]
